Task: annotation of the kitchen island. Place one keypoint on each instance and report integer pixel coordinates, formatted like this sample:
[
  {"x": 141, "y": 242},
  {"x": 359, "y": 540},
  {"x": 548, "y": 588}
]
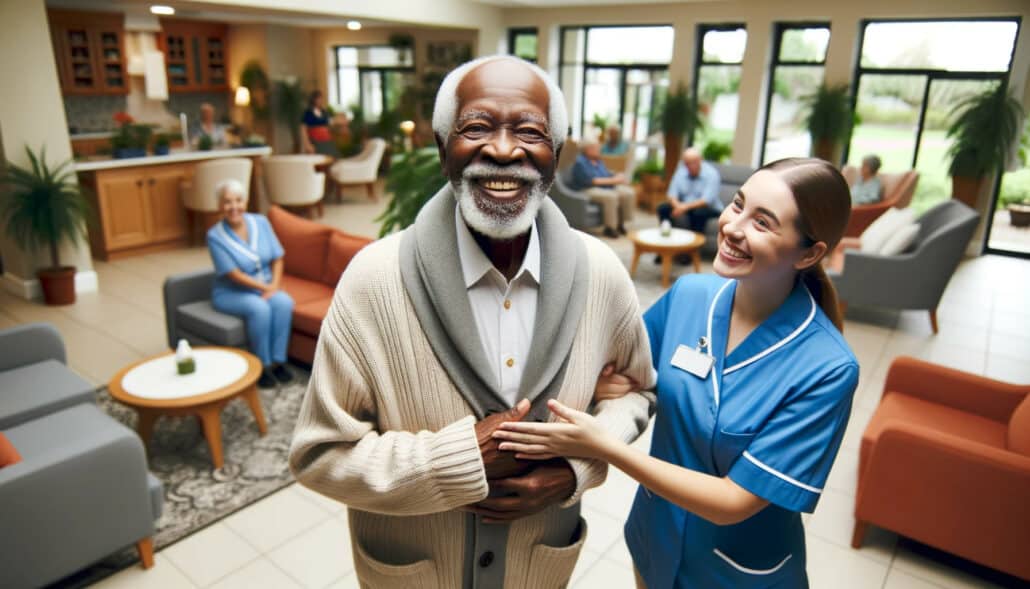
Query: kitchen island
[{"x": 138, "y": 201}]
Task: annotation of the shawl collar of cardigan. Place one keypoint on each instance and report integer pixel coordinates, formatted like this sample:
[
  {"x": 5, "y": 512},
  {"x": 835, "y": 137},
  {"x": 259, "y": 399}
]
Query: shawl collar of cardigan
[{"x": 431, "y": 273}]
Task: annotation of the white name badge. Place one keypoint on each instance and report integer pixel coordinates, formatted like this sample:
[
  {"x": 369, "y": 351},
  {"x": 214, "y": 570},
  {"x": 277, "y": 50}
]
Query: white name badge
[{"x": 693, "y": 361}]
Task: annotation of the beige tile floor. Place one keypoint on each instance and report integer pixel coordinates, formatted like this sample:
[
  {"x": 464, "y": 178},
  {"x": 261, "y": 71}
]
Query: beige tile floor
[{"x": 295, "y": 538}]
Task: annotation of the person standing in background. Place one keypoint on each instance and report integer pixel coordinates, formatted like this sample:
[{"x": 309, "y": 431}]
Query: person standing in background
[{"x": 315, "y": 136}]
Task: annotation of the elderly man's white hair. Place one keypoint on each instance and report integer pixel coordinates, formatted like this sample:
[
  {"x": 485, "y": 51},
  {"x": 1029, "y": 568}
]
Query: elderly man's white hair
[
  {"x": 445, "y": 110},
  {"x": 230, "y": 185}
]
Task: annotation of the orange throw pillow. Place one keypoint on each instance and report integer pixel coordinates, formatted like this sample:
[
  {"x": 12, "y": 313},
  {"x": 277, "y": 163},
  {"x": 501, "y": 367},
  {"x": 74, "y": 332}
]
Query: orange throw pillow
[
  {"x": 342, "y": 248},
  {"x": 304, "y": 242},
  {"x": 8, "y": 454}
]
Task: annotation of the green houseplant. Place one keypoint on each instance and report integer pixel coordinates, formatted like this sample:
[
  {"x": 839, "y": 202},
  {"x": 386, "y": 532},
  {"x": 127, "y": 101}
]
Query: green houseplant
[
  {"x": 42, "y": 207},
  {"x": 679, "y": 119},
  {"x": 415, "y": 176},
  {"x": 254, "y": 78},
  {"x": 651, "y": 175},
  {"x": 829, "y": 120},
  {"x": 131, "y": 138},
  {"x": 290, "y": 104},
  {"x": 716, "y": 151},
  {"x": 984, "y": 129}
]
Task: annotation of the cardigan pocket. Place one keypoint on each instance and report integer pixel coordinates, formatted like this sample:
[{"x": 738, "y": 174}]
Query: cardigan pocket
[
  {"x": 375, "y": 573},
  {"x": 552, "y": 566}
]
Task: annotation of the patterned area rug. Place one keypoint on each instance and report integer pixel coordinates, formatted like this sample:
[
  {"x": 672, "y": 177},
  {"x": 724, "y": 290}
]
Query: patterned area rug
[{"x": 197, "y": 494}]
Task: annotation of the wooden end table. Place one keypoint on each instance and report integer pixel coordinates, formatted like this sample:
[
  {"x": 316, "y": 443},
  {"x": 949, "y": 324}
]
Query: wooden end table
[
  {"x": 679, "y": 241},
  {"x": 153, "y": 388}
]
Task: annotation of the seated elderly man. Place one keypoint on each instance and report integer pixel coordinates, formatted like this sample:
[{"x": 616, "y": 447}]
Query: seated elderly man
[
  {"x": 613, "y": 142},
  {"x": 478, "y": 313},
  {"x": 867, "y": 188},
  {"x": 608, "y": 190},
  {"x": 693, "y": 193}
]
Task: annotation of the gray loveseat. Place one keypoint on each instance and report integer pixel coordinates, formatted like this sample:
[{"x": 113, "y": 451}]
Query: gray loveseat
[{"x": 82, "y": 489}]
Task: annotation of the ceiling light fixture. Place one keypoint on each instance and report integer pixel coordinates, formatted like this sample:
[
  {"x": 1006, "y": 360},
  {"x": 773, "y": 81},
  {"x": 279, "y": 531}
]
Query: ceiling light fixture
[
  {"x": 353, "y": 25},
  {"x": 163, "y": 10}
]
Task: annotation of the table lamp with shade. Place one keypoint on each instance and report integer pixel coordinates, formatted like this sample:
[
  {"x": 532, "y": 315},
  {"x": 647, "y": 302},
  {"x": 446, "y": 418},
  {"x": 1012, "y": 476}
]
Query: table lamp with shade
[
  {"x": 242, "y": 102},
  {"x": 407, "y": 127}
]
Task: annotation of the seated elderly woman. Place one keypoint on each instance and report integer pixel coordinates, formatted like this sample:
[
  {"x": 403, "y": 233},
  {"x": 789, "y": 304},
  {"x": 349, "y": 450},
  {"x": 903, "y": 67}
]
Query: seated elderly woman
[{"x": 248, "y": 261}]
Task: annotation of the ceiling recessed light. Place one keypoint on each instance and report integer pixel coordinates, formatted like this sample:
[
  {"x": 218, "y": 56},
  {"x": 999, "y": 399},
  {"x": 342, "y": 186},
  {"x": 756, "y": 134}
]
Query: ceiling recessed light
[
  {"x": 161, "y": 9},
  {"x": 353, "y": 25}
]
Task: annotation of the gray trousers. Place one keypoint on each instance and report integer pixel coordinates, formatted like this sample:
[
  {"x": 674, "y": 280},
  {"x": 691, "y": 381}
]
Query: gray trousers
[{"x": 616, "y": 202}]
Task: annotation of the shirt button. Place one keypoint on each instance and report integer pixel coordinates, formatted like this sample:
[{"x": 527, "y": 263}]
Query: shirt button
[
  {"x": 507, "y": 304},
  {"x": 486, "y": 559},
  {"x": 510, "y": 362}
]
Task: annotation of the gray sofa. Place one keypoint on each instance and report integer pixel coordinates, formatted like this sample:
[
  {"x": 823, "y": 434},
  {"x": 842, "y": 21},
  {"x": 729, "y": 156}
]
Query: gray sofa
[
  {"x": 190, "y": 315},
  {"x": 579, "y": 210},
  {"x": 731, "y": 178},
  {"x": 916, "y": 278},
  {"x": 81, "y": 490}
]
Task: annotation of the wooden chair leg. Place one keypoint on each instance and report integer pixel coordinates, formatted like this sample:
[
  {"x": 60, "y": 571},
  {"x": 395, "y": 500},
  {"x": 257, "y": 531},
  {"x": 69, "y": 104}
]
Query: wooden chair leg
[
  {"x": 843, "y": 306},
  {"x": 933, "y": 320},
  {"x": 858, "y": 535},
  {"x": 145, "y": 547},
  {"x": 371, "y": 189}
]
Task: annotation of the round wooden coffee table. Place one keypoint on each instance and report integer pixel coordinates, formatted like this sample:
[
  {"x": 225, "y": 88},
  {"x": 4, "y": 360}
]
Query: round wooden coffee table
[
  {"x": 679, "y": 241},
  {"x": 154, "y": 388}
]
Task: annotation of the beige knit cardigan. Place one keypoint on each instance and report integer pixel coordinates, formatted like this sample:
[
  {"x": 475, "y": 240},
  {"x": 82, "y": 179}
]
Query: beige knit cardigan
[{"x": 383, "y": 430}]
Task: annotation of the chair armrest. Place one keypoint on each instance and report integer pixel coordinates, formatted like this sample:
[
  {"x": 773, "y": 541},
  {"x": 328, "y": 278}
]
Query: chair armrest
[
  {"x": 31, "y": 343},
  {"x": 967, "y": 392},
  {"x": 952, "y": 492},
  {"x": 180, "y": 289}
]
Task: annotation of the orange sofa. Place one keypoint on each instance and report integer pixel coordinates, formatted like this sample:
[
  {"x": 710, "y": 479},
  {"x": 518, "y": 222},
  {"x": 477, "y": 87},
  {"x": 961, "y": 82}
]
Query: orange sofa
[
  {"x": 316, "y": 255},
  {"x": 898, "y": 190},
  {"x": 945, "y": 460}
]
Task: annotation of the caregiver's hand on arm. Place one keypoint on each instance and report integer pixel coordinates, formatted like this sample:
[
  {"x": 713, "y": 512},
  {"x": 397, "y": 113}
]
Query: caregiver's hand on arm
[
  {"x": 499, "y": 464},
  {"x": 718, "y": 499},
  {"x": 612, "y": 385}
]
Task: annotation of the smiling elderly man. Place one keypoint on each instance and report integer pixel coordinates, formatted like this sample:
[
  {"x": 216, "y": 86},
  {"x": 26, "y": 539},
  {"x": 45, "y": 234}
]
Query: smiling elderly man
[{"x": 488, "y": 306}]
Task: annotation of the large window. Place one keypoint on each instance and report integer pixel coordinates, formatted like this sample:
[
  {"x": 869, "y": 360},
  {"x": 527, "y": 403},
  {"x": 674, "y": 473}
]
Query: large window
[
  {"x": 373, "y": 77},
  {"x": 720, "y": 53},
  {"x": 797, "y": 70},
  {"x": 523, "y": 43},
  {"x": 615, "y": 75},
  {"x": 909, "y": 79}
]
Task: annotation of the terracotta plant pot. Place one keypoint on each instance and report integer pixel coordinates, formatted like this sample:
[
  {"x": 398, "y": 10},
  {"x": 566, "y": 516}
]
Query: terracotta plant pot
[
  {"x": 826, "y": 149},
  {"x": 1019, "y": 215},
  {"x": 653, "y": 182},
  {"x": 58, "y": 285},
  {"x": 966, "y": 189}
]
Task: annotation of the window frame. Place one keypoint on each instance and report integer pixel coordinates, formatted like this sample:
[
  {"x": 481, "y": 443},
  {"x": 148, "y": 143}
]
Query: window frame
[
  {"x": 516, "y": 32},
  {"x": 379, "y": 70},
  {"x": 699, "y": 54},
  {"x": 778, "y": 32},
  {"x": 587, "y": 65}
]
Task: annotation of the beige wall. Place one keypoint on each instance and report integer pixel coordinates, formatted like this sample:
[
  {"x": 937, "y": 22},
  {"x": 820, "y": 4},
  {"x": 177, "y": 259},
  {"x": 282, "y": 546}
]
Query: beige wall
[{"x": 32, "y": 115}]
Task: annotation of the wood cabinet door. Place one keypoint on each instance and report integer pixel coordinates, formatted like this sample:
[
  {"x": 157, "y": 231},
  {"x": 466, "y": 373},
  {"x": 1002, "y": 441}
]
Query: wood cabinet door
[
  {"x": 109, "y": 48},
  {"x": 167, "y": 213},
  {"x": 123, "y": 209}
]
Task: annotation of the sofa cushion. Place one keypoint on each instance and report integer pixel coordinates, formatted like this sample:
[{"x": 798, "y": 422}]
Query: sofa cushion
[
  {"x": 307, "y": 318},
  {"x": 304, "y": 291},
  {"x": 900, "y": 241},
  {"x": 879, "y": 231},
  {"x": 305, "y": 243},
  {"x": 1018, "y": 439},
  {"x": 33, "y": 390},
  {"x": 342, "y": 248},
  {"x": 202, "y": 319},
  {"x": 8, "y": 453},
  {"x": 908, "y": 409}
]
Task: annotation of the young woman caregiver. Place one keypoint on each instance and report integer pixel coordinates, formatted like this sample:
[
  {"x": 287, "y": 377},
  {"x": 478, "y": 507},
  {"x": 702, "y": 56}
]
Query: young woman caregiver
[{"x": 754, "y": 390}]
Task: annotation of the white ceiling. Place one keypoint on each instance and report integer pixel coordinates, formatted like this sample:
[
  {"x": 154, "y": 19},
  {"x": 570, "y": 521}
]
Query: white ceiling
[{"x": 556, "y": 3}]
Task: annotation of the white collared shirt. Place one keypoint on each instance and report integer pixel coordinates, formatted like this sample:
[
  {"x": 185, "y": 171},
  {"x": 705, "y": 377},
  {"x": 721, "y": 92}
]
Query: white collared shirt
[{"x": 505, "y": 311}]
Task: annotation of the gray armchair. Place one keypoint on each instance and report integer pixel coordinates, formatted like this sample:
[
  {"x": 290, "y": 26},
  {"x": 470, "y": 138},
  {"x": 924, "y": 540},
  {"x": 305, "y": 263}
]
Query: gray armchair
[
  {"x": 81, "y": 490},
  {"x": 915, "y": 279},
  {"x": 579, "y": 210},
  {"x": 189, "y": 314},
  {"x": 731, "y": 178}
]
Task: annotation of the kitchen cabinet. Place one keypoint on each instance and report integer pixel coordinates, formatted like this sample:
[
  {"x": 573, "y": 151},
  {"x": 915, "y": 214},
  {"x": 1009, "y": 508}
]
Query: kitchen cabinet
[
  {"x": 196, "y": 56},
  {"x": 90, "y": 51},
  {"x": 138, "y": 208}
]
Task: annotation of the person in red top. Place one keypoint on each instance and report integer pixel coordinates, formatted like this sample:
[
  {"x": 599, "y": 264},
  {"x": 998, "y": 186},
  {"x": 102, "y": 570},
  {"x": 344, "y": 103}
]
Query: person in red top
[{"x": 314, "y": 127}]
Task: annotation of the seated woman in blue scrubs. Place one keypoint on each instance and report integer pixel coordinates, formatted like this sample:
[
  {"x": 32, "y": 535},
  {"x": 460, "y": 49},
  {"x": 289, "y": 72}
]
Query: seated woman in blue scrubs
[
  {"x": 754, "y": 390},
  {"x": 248, "y": 262}
]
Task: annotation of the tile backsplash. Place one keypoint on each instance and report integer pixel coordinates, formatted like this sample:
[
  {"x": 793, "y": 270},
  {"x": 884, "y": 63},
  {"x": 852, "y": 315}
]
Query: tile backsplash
[{"x": 90, "y": 114}]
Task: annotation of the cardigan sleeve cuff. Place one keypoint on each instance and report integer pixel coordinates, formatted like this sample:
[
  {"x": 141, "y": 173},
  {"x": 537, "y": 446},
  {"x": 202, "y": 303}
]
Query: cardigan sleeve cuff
[{"x": 456, "y": 463}]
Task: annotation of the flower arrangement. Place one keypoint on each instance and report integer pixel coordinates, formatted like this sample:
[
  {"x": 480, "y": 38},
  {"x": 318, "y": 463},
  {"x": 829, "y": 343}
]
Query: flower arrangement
[{"x": 131, "y": 139}]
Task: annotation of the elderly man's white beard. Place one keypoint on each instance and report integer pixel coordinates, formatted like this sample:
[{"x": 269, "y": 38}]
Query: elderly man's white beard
[{"x": 495, "y": 220}]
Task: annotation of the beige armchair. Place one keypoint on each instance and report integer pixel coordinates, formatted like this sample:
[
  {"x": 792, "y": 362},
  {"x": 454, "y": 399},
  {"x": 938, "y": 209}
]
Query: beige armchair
[
  {"x": 897, "y": 191},
  {"x": 293, "y": 183},
  {"x": 198, "y": 193},
  {"x": 360, "y": 169}
]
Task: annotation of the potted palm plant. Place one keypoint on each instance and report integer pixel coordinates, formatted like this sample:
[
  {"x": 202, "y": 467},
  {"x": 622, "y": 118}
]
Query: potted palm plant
[
  {"x": 290, "y": 105},
  {"x": 679, "y": 119},
  {"x": 42, "y": 207},
  {"x": 829, "y": 120},
  {"x": 415, "y": 176},
  {"x": 984, "y": 129}
]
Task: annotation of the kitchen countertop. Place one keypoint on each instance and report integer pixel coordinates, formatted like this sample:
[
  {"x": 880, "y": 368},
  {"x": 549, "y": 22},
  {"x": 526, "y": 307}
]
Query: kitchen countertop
[
  {"x": 92, "y": 135},
  {"x": 107, "y": 163}
]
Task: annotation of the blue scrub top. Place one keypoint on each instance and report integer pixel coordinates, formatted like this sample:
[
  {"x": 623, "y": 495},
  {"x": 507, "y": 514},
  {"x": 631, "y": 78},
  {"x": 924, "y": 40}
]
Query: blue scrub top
[
  {"x": 770, "y": 416},
  {"x": 253, "y": 257}
]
